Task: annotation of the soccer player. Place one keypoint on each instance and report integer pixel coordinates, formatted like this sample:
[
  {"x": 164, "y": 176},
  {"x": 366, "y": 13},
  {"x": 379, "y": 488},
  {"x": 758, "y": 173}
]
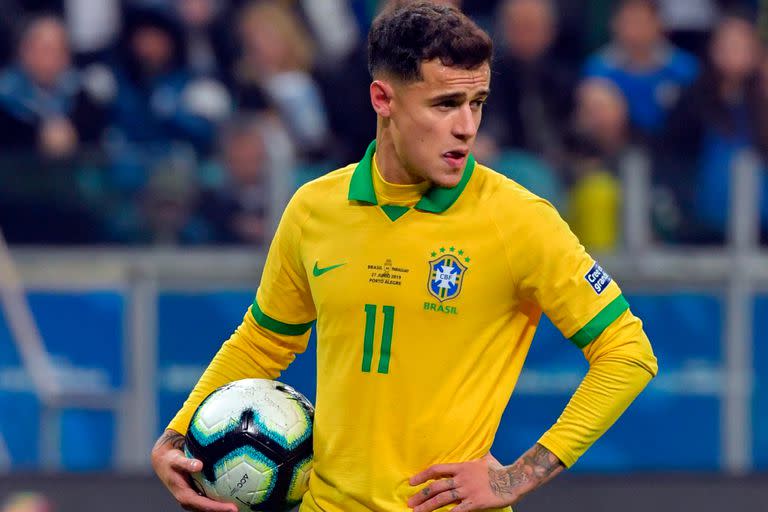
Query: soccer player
[{"x": 426, "y": 274}]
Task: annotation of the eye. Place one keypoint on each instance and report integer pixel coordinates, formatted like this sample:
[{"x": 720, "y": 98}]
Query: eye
[
  {"x": 447, "y": 104},
  {"x": 477, "y": 104}
]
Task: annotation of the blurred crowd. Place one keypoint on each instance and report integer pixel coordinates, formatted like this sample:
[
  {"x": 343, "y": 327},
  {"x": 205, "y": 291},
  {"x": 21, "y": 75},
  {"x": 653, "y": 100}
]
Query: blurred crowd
[{"x": 192, "y": 121}]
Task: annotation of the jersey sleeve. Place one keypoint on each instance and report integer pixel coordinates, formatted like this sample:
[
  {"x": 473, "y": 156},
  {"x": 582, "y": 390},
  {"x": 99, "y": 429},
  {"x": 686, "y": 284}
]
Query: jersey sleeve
[
  {"x": 276, "y": 326},
  {"x": 621, "y": 363},
  {"x": 251, "y": 352},
  {"x": 554, "y": 270},
  {"x": 283, "y": 302}
]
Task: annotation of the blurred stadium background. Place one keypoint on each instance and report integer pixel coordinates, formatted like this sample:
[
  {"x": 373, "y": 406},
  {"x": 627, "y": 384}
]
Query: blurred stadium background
[{"x": 147, "y": 149}]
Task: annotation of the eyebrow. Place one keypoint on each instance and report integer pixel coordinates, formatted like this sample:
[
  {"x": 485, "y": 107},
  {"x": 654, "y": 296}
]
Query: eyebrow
[{"x": 458, "y": 96}]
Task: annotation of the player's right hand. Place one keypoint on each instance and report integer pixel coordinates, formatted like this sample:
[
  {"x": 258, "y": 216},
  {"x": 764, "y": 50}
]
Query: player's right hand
[{"x": 173, "y": 468}]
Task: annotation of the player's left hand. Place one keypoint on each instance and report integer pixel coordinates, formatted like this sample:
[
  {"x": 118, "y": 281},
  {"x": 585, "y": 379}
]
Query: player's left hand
[{"x": 465, "y": 483}]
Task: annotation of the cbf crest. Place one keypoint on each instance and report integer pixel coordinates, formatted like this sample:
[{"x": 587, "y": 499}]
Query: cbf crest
[{"x": 447, "y": 273}]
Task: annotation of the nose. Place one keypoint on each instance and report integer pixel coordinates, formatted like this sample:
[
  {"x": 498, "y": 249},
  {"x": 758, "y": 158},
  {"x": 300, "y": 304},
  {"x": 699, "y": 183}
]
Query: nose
[{"x": 464, "y": 126}]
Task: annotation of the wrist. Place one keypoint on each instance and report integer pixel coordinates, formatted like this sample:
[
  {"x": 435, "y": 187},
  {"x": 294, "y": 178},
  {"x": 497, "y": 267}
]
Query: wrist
[
  {"x": 510, "y": 483},
  {"x": 535, "y": 468},
  {"x": 170, "y": 440}
]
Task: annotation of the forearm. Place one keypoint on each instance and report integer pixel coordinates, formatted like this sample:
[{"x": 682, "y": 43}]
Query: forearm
[
  {"x": 251, "y": 352},
  {"x": 533, "y": 469},
  {"x": 607, "y": 390},
  {"x": 621, "y": 365}
]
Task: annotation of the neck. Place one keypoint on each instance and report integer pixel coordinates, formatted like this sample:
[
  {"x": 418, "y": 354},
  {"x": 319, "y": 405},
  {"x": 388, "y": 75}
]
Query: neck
[
  {"x": 731, "y": 88},
  {"x": 611, "y": 144},
  {"x": 45, "y": 85},
  {"x": 390, "y": 166},
  {"x": 641, "y": 57}
]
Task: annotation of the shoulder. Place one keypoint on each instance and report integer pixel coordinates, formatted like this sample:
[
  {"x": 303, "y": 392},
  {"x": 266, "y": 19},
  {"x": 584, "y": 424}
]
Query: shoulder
[
  {"x": 683, "y": 63},
  {"x": 528, "y": 225},
  {"x": 323, "y": 190},
  {"x": 505, "y": 197},
  {"x": 332, "y": 181},
  {"x": 603, "y": 61},
  {"x": 11, "y": 82}
]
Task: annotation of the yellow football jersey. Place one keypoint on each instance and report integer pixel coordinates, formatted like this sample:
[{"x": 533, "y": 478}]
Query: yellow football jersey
[{"x": 424, "y": 317}]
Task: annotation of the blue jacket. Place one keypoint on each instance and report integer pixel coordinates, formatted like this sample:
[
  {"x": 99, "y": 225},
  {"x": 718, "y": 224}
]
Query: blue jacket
[
  {"x": 650, "y": 93},
  {"x": 155, "y": 112},
  {"x": 24, "y": 106}
]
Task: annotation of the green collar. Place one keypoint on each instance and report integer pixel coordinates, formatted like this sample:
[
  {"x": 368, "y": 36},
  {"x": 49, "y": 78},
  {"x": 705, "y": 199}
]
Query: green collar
[{"x": 434, "y": 200}]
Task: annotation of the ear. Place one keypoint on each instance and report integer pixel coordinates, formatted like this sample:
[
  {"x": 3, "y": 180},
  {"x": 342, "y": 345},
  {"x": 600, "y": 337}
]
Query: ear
[{"x": 381, "y": 97}]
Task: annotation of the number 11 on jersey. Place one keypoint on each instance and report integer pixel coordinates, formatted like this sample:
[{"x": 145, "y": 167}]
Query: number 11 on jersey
[{"x": 386, "y": 337}]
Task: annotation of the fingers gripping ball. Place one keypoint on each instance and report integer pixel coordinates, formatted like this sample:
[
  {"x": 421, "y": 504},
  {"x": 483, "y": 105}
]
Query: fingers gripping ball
[{"x": 254, "y": 437}]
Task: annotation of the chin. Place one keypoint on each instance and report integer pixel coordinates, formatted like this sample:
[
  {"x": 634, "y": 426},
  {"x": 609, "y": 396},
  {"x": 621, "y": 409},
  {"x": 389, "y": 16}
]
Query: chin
[{"x": 448, "y": 180}]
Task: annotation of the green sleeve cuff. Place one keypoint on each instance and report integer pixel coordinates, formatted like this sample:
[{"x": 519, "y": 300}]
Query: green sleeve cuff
[
  {"x": 277, "y": 326},
  {"x": 597, "y": 325}
]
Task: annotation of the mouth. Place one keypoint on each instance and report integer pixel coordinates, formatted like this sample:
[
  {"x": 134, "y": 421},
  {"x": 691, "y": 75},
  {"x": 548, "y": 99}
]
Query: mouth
[{"x": 456, "y": 158}]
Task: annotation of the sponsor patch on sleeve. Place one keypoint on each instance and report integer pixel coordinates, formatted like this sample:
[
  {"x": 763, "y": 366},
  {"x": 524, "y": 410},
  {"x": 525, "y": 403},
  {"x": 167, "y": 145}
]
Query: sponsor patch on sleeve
[{"x": 598, "y": 278}]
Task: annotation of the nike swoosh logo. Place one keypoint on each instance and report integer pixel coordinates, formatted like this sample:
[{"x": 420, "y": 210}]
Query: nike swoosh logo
[{"x": 317, "y": 271}]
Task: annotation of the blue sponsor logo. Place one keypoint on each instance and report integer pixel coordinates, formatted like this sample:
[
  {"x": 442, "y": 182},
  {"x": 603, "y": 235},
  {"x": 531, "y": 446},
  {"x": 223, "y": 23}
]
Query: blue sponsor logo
[{"x": 598, "y": 278}]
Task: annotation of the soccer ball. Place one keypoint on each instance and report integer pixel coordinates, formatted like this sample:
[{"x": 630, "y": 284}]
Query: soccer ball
[{"x": 254, "y": 437}]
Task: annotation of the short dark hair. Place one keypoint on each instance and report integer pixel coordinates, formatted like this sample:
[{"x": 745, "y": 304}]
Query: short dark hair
[{"x": 402, "y": 38}]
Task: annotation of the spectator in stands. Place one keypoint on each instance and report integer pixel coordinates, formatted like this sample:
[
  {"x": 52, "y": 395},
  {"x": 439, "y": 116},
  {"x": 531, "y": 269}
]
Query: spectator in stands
[
  {"x": 275, "y": 70},
  {"x": 724, "y": 113},
  {"x": 351, "y": 118},
  {"x": 601, "y": 116},
  {"x": 597, "y": 145},
  {"x": 208, "y": 44},
  {"x": 532, "y": 90},
  {"x": 163, "y": 212},
  {"x": 48, "y": 116},
  {"x": 167, "y": 213},
  {"x": 44, "y": 104},
  {"x": 649, "y": 71},
  {"x": 237, "y": 198},
  {"x": 158, "y": 101},
  {"x": 333, "y": 25}
]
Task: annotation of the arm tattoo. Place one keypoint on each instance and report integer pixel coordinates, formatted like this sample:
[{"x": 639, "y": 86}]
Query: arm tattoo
[
  {"x": 534, "y": 468},
  {"x": 175, "y": 439}
]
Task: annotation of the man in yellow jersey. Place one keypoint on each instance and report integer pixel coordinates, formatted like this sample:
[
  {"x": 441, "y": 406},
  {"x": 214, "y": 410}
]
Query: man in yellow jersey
[{"x": 426, "y": 274}]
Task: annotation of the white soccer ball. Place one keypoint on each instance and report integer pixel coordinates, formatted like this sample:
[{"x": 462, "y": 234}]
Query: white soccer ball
[{"x": 254, "y": 437}]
